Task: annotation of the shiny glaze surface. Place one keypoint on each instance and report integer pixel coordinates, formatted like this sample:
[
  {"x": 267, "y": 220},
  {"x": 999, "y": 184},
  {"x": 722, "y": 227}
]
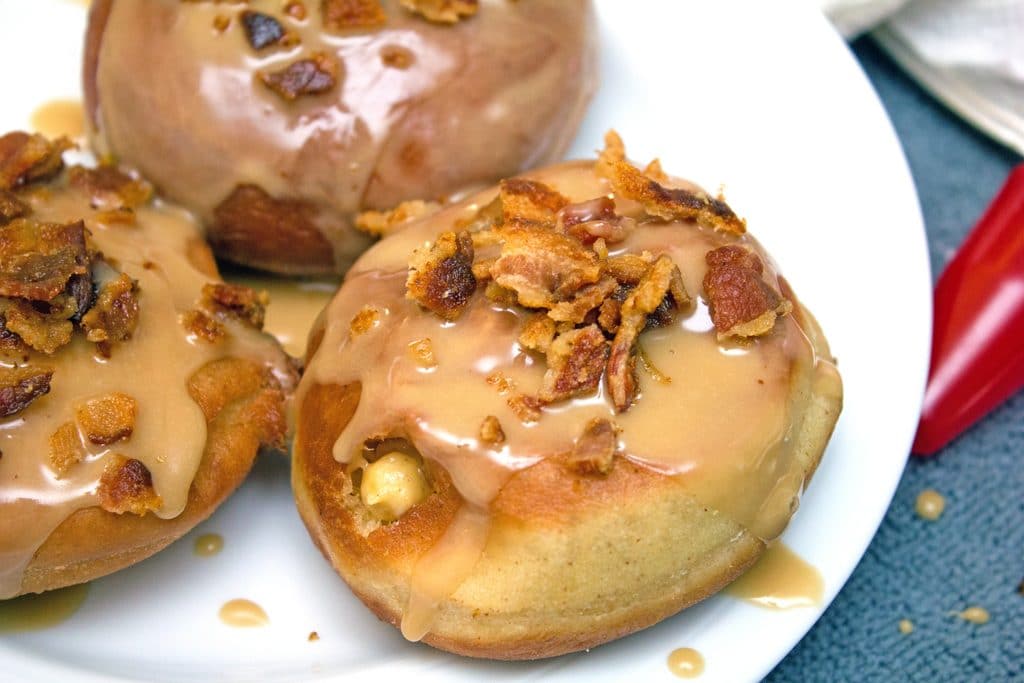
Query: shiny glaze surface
[{"x": 382, "y": 135}]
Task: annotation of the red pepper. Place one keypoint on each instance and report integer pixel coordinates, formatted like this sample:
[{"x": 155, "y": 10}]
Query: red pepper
[{"x": 978, "y": 337}]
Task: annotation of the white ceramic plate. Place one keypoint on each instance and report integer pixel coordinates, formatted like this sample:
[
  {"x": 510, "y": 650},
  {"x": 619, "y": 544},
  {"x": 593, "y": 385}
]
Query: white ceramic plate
[{"x": 760, "y": 96}]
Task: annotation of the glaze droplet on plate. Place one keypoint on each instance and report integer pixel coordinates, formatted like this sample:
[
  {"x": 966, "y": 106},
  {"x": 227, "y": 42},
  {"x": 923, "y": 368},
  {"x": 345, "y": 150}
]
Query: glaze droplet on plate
[
  {"x": 208, "y": 544},
  {"x": 781, "y": 579},
  {"x": 242, "y": 613},
  {"x": 685, "y": 662}
]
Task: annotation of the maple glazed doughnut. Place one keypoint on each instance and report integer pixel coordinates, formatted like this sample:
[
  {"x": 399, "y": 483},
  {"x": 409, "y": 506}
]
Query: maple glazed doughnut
[
  {"x": 136, "y": 387},
  {"x": 277, "y": 122},
  {"x": 558, "y": 412}
]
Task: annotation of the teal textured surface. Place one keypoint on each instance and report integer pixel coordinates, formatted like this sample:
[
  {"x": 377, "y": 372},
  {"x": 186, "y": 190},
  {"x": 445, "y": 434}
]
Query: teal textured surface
[{"x": 974, "y": 554}]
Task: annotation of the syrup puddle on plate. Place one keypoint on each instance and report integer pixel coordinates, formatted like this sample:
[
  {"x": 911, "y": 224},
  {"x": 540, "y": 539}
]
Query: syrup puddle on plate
[
  {"x": 781, "y": 579},
  {"x": 44, "y": 610}
]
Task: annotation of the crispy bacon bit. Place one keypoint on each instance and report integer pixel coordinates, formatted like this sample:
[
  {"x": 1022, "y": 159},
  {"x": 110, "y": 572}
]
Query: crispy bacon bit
[
  {"x": 613, "y": 152},
  {"x": 441, "y": 276},
  {"x": 594, "y": 220},
  {"x": 741, "y": 303},
  {"x": 107, "y": 419},
  {"x": 109, "y": 189},
  {"x": 363, "y": 321},
  {"x": 500, "y": 295},
  {"x": 295, "y": 10},
  {"x": 115, "y": 314},
  {"x": 501, "y": 382},
  {"x": 538, "y": 333},
  {"x": 27, "y": 158},
  {"x": 642, "y": 301},
  {"x": 526, "y": 408},
  {"x": 629, "y": 269},
  {"x": 491, "y": 432},
  {"x": 609, "y": 315},
  {"x": 65, "y": 448},
  {"x": 313, "y": 76},
  {"x": 19, "y": 387},
  {"x": 422, "y": 352},
  {"x": 674, "y": 203},
  {"x": 37, "y": 259},
  {"x": 586, "y": 300},
  {"x": 576, "y": 361},
  {"x": 221, "y": 23},
  {"x": 396, "y": 57},
  {"x": 127, "y": 486},
  {"x": 594, "y": 451},
  {"x": 529, "y": 203},
  {"x": 11, "y": 207},
  {"x": 242, "y": 303},
  {"x": 383, "y": 223},
  {"x": 262, "y": 30},
  {"x": 442, "y": 11},
  {"x": 203, "y": 326},
  {"x": 655, "y": 172},
  {"x": 339, "y": 15},
  {"x": 482, "y": 269},
  {"x": 543, "y": 267},
  {"x": 44, "y": 331}
]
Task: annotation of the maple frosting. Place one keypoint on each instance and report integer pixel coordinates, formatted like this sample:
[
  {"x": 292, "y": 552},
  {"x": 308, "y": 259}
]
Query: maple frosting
[
  {"x": 382, "y": 126},
  {"x": 160, "y": 250},
  {"x": 721, "y": 416}
]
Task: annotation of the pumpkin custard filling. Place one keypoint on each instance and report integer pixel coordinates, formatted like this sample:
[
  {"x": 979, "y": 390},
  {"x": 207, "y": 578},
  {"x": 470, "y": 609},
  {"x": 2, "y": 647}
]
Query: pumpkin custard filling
[
  {"x": 135, "y": 387},
  {"x": 558, "y": 411}
]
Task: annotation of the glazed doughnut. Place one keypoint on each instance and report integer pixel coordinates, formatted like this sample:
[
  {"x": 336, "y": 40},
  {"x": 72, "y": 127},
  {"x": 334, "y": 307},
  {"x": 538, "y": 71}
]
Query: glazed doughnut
[
  {"x": 558, "y": 412},
  {"x": 276, "y": 122},
  {"x": 136, "y": 388}
]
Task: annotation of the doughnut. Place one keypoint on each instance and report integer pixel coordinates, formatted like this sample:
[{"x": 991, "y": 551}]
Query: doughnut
[
  {"x": 558, "y": 411},
  {"x": 136, "y": 387},
  {"x": 277, "y": 122}
]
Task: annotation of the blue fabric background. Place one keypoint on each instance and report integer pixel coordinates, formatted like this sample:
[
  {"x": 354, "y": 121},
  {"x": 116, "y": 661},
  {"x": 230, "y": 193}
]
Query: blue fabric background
[{"x": 974, "y": 554}]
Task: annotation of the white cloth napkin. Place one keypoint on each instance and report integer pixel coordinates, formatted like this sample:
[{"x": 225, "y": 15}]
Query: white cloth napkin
[{"x": 968, "y": 53}]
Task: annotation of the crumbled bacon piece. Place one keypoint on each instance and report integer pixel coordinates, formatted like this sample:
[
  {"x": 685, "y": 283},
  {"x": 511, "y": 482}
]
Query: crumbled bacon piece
[
  {"x": 441, "y": 276},
  {"x": 609, "y": 315},
  {"x": 529, "y": 203},
  {"x": 594, "y": 451},
  {"x": 20, "y": 386},
  {"x": 262, "y": 30},
  {"x": 613, "y": 152},
  {"x": 115, "y": 314},
  {"x": 396, "y": 57},
  {"x": 27, "y": 158},
  {"x": 655, "y": 172},
  {"x": 629, "y": 269},
  {"x": 442, "y": 11},
  {"x": 674, "y": 203},
  {"x": 65, "y": 448},
  {"x": 741, "y": 303},
  {"x": 203, "y": 326},
  {"x": 383, "y": 223},
  {"x": 107, "y": 419},
  {"x": 339, "y": 15},
  {"x": 312, "y": 76},
  {"x": 109, "y": 189},
  {"x": 576, "y": 361},
  {"x": 236, "y": 301},
  {"x": 586, "y": 300},
  {"x": 526, "y": 408},
  {"x": 538, "y": 333},
  {"x": 422, "y": 352},
  {"x": 543, "y": 267},
  {"x": 491, "y": 432},
  {"x": 43, "y": 330},
  {"x": 363, "y": 321},
  {"x": 593, "y": 220},
  {"x": 501, "y": 382},
  {"x": 500, "y": 295},
  {"x": 127, "y": 486},
  {"x": 643, "y": 300},
  {"x": 37, "y": 259},
  {"x": 11, "y": 207}
]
